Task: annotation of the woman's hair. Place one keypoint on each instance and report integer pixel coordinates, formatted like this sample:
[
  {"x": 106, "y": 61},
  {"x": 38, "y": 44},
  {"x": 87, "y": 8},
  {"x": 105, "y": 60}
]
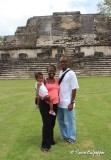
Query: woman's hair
[
  {"x": 37, "y": 74},
  {"x": 51, "y": 65}
]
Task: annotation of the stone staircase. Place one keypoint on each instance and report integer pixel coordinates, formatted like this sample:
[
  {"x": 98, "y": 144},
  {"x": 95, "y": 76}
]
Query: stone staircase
[
  {"x": 91, "y": 66},
  {"x": 24, "y": 69},
  {"x": 70, "y": 51}
]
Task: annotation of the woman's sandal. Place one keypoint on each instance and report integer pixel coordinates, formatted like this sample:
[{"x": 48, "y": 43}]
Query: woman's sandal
[{"x": 45, "y": 150}]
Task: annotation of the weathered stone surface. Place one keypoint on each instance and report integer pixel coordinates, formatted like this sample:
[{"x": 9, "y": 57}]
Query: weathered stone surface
[
  {"x": 46, "y": 38},
  {"x": 62, "y": 29}
]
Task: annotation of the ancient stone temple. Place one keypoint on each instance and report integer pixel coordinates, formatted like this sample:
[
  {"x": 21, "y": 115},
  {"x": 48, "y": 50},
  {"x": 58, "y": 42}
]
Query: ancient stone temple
[{"x": 85, "y": 38}]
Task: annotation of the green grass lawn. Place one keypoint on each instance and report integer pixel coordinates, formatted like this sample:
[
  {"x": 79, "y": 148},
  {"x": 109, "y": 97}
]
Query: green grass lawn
[{"x": 21, "y": 125}]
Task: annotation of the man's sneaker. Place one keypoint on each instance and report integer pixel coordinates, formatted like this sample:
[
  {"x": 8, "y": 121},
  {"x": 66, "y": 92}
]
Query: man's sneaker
[
  {"x": 62, "y": 138},
  {"x": 69, "y": 141}
]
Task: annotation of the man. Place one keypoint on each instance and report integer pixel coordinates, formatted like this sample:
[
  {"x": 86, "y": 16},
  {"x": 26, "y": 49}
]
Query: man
[{"x": 66, "y": 115}]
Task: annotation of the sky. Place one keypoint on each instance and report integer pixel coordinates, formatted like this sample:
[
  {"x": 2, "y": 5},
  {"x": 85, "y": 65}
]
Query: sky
[{"x": 15, "y": 13}]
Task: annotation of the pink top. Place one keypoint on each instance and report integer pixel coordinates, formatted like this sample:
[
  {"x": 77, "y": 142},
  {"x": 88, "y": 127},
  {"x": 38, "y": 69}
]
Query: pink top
[{"x": 53, "y": 91}]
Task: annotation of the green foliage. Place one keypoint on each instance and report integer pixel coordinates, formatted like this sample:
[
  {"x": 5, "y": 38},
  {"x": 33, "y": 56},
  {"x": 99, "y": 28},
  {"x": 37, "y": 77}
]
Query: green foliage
[
  {"x": 21, "y": 123},
  {"x": 2, "y": 40},
  {"x": 105, "y": 7}
]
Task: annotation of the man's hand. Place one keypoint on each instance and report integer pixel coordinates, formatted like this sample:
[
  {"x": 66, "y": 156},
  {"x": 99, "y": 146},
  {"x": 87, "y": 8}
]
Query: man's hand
[{"x": 70, "y": 106}]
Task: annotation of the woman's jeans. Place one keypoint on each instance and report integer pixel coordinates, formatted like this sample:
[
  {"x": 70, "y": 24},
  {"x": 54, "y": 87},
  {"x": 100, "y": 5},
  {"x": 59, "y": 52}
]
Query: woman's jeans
[
  {"x": 48, "y": 124},
  {"x": 67, "y": 125}
]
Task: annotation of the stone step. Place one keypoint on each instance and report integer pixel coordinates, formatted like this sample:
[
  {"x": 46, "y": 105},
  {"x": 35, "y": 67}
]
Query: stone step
[
  {"x": 98, "y": 67},
  {"x": 96, "y": 63},
  {"x": 25, "y": 69},
  {"x": 19, "y": 76}
]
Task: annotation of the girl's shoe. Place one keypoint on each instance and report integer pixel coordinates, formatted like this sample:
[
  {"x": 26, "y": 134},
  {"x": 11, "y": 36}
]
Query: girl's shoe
[{"x": 52, "y": 112}]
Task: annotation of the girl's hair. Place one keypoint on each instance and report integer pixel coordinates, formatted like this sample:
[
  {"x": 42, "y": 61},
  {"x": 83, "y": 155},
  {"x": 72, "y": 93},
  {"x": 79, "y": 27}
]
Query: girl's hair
[{"x": 37, "y": 74}]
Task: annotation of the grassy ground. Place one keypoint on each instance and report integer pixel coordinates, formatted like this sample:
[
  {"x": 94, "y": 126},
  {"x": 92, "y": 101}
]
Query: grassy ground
[{"x": 20, "y": 122}]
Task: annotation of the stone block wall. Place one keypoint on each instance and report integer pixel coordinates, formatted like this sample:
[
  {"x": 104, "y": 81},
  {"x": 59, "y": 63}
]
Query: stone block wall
[
  {"x": 61, "y": 28},
  {"x": 47, "y": 37}
]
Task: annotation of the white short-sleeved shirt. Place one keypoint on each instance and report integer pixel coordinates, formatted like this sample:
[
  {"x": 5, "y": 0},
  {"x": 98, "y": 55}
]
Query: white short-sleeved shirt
[
  {"x": 42, "y": 90},
  {"x": 68, "y": 83}
]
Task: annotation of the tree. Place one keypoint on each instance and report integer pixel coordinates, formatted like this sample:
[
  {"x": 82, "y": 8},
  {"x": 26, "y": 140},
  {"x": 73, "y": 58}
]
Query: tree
[
  {"x": 105, "y": 7},
  {"x": 2, "y": 40}
]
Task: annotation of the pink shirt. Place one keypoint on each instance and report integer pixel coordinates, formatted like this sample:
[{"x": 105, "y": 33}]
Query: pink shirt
[{"x": 53, "y": 91}]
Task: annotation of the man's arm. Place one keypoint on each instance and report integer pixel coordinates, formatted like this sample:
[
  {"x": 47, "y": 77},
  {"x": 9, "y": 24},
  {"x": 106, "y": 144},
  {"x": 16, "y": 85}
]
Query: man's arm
[{"x": 70, "y": 106}]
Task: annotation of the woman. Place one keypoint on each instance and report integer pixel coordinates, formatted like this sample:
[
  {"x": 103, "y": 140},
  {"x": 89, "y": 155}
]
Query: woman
[{"x": 49, "y": 120}]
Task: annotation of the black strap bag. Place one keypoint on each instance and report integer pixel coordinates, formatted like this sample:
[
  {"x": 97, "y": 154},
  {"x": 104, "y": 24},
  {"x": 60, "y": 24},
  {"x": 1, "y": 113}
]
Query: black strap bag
[{"x": 61, "y": 78}]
